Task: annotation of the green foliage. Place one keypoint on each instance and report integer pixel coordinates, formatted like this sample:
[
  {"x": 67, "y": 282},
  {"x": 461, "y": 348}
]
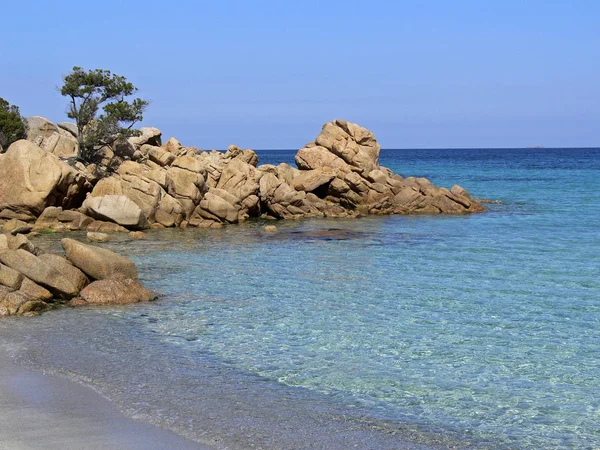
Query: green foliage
[
  {"x": 99, "y": 90},
  {"x": 12, "y": 126}
]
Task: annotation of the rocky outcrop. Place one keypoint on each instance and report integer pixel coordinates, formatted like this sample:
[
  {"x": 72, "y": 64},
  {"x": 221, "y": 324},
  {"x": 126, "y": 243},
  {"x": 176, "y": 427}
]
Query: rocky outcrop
[
  {"x": 351, "y": 154},
  {"x": 170, "y": 185},
  {"x": 31, "y": 281},
  {"x": 16, "y": 226},
  {"x": 18, "y": 242},
  {"x": 13, "y": 302},
  {"x": 7, "y": 214}
]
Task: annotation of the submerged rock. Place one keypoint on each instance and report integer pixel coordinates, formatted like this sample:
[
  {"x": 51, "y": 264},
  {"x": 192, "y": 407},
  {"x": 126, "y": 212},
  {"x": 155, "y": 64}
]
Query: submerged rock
[{"x": 97, "y": 237}]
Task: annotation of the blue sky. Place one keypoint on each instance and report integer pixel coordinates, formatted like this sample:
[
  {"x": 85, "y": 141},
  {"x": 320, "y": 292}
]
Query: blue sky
[{"x": 268, "y": 74}]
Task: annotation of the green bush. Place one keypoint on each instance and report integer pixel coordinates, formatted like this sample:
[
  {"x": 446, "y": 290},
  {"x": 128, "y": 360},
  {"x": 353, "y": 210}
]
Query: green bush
[{"x": 12, "y": 126}]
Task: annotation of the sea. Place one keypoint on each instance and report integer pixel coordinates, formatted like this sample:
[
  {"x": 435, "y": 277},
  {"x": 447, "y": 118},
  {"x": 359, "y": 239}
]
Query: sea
[{"x": 384, "y": 332}]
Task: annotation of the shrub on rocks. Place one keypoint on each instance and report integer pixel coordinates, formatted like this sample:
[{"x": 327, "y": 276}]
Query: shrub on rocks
[{"x": 12, "y": 126}]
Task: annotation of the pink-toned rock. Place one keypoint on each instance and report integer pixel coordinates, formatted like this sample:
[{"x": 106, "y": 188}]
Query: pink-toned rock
[
  {"x": 34, "y": 291},
  {"x": 11, "y": 301},
  {"x": 10, "y": 278}
]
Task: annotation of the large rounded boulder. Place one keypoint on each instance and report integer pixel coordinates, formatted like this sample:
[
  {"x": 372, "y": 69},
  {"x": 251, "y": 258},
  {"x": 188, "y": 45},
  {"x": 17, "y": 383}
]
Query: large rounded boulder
[{"x": 32, "y": 179}]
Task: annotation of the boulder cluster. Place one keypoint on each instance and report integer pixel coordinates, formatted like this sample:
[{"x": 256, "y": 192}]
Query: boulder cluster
[
  {"x": 31, "y": 281},
  {"x": 142, "y": 183}
]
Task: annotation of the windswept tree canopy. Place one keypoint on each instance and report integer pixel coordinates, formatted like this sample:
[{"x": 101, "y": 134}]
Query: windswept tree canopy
[
  {"x": 12, "y": 126},
  {"x": 99, "y": 107}
]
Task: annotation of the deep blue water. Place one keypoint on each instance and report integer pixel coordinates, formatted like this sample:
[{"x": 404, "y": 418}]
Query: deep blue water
[{"x": 479, "y": 330}]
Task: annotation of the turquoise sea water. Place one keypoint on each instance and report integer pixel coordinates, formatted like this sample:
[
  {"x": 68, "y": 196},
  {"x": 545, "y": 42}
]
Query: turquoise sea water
[{"x": 471, "y": 331}]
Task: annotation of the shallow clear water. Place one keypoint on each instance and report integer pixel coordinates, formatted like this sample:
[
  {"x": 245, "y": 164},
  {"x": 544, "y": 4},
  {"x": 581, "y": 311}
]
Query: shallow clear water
[{"x": 481, "y": 330}]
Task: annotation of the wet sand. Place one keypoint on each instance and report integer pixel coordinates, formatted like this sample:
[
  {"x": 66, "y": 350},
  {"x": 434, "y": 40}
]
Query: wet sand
[{"x": 43, "y": 411}]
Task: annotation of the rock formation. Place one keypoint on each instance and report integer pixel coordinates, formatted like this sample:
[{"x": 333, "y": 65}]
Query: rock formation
[
  {"x": 343, "y": 163},
  {"x": 31, "y": 281},
  {"x": 147, "y": 184}
]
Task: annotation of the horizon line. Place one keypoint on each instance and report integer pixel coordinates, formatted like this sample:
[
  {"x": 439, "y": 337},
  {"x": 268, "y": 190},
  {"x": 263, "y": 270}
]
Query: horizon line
[{"x": 446, "y": 148}]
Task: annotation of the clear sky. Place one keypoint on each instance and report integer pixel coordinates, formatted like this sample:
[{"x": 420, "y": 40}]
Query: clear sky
[{"x": 268, "y": 74}]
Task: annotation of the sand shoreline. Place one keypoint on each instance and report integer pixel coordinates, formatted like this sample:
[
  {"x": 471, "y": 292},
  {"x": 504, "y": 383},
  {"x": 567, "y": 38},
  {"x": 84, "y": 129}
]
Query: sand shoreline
[{"x": 44, "y": 411}]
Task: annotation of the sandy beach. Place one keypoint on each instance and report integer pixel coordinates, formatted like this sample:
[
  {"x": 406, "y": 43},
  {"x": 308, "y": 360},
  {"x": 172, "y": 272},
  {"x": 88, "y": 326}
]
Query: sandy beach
[{"x": 43, "y": 411}]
